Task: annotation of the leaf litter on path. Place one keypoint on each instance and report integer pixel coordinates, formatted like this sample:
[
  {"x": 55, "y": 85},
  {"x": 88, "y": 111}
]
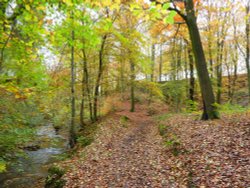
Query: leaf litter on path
[{"x": 216, "y": 154}]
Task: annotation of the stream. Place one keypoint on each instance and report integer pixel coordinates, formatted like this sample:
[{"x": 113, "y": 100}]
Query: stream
[{"x": 32, "y": 167}]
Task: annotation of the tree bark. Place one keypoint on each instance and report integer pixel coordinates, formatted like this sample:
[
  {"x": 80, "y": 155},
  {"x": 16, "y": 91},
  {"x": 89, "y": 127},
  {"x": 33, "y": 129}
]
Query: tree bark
[
  {"x": 152, "y": 62},
  {"x": 248, "y": 46},
  {"x": 209, "y": 111},
  {"x": 84, "y": 86},
  {"x": 192, "y": 79},
  {"x": 220, "y": 47},
  {"x": 160, "y": 64},
  {"x": 210, "y": 44},
  {"x": 132, "y": 86},
  {"x": 98, "y": 80},
  {"x": 72, "y": 135}
]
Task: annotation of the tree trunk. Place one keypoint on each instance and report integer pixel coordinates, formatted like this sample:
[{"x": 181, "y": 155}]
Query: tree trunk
[
  {"x": 82, "y": 124},
  {"x": 85, "y": 87},
  {"x": 152, "y": 62},
  {"x": 234, "y": 80},
  {"x": 132, "y": 87},
  {"x": 209, "y": 111},
  {"x": 192, "y": 79},
  {"x": 160, "y": 64},
  {"x": 248, "y": 47},
  {"x": 220, "y": 47},
  {"x": 235, "y": 61},
  {"x": 179, "y": 58},
  {"x": 72, "y": 138},
  {"x": 86, "y": 83},
  {"x": 98, "y": 80},
  {"x": 174, "y": 59},
  {"x": 210, "y": 45}
]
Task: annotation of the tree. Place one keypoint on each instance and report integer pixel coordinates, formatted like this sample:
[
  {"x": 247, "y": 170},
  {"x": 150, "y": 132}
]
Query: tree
[
  {"x": 72, "y": 138},
  {"x": 247, "y": 56},
  {"x": 209, "y": 110}
]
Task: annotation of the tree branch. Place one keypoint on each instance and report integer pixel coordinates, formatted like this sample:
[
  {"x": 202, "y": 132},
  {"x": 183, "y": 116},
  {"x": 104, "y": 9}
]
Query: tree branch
[{"x": 174, "y": 8}]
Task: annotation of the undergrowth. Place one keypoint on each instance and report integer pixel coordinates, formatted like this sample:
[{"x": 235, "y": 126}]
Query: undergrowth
[
  {"x": 171, "y": 140},
  {"x": 229, "y": 108}
]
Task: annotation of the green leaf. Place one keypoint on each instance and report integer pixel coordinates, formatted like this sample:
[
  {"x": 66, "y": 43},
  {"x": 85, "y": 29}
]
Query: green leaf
[
  {"x": 170, "y": 18},
  {"x": 166, "y": 6},
  {"x": 27, "y": 17}
]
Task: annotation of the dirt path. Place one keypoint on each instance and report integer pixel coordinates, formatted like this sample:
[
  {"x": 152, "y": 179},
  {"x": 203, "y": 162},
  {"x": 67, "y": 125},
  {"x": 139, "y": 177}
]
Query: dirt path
[
  {"x": 213, "y": 154},
  {"x": 129, "y": 157}
]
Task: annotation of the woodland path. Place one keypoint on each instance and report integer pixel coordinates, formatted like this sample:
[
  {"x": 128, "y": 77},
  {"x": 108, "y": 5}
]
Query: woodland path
[{"x": 129, "y": 157}]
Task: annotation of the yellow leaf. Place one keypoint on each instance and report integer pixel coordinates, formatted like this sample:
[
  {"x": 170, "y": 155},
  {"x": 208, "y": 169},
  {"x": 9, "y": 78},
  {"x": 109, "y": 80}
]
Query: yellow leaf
[
  {"x": 41, "y": 7},
  {"x": 68, "y": 2},
  {"x": 2, "y": 166},
  {"x": 106, "y": 3},
  {"x": 27, "y": 7}
]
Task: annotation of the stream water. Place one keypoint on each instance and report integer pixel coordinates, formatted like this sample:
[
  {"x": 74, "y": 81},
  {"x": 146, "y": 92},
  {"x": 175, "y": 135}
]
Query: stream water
[{"x": 33, "y": 166}]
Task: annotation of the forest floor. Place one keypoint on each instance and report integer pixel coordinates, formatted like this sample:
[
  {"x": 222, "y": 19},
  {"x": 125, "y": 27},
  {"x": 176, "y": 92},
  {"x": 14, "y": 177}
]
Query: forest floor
[{"x": 129, "y": 152}]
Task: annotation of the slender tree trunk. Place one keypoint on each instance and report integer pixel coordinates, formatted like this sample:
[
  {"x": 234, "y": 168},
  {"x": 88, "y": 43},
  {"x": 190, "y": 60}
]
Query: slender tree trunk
[
  {"x": 152, "y": 62},
  {"x": 234, "y": 79},
  {"x": 229, "y": 76},
  {"x": 99, "y": 75},
  {"x": 132, "y": 87},
  {"x": 210, "y": 45},
  {"x": 160, "y": 64},
  {"x": 186, "y": 69},
  {"x": 248, "y": 46},
  {"x": 220, "y": 48},
  {"x": 219, "y": 74},
  {"x": 235, "y": 61},
  {"x": 86, "y": 83},
  {"x": 192, "y": 79},
  {"x": 82, "y": 123},
  {"x": 72, "y": 139},
  {"x": 178, "y": 62},
  {"x": 173, "y": 62},
  {"x": 211, "y": 64},
  {"x": 152, "y": 70},
  {"x": 209, "y": 111},
  {"x": 229, "y": 79},
  {"x": 186, "y": 64},
  {"x": 122, "y": 79},
  {"x": 85, "y": 87}
]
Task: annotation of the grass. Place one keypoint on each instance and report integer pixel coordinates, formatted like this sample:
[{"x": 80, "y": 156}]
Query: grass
[
  {"x": 163, "y": 117},
  {"x": 232, "y": 108}
]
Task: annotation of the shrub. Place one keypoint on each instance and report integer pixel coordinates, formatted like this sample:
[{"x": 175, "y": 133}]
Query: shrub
[
  {"x": 84, "y": 140},
  {"x": 174, "y": 92},
  {"x": 152, "y": 88},
  {"x": 171, "y": 141},
  {"x": 231, "y": 108},
  {"x": 191, "y": 106},
  {"x": 111, "y": 104},
  {"x": 162, "y": 129},
  {"x": 124, "y": 119},
  {"x": 173, "y": 144},
  {"x": 2, "y": 165},
  {"x": 54, "y": 178}
]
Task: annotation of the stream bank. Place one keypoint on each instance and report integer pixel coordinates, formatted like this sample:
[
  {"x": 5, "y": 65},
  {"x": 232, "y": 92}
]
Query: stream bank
[{"x": 31, "y": 169}]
